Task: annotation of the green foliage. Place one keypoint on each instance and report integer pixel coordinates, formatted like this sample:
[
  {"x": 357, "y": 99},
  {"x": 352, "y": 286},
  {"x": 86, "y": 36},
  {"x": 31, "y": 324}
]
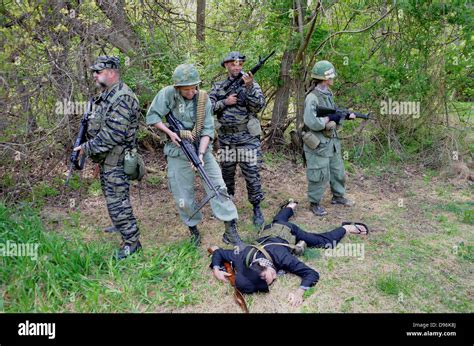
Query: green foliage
[
  {"x": 74, "y": 275},
  {"x": 391, "y": 284}
]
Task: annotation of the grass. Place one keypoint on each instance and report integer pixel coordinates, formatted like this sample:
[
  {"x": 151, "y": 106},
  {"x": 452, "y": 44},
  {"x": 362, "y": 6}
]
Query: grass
[
  {"x": 73, "y": 275},
  {"x": 417, "y": 259}
]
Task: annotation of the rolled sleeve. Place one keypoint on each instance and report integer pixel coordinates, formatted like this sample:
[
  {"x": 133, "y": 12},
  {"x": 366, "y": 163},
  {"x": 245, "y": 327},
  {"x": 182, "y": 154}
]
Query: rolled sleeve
[
  {"x": 208, "y": 128},
  {"x": 161, "y": 106}
]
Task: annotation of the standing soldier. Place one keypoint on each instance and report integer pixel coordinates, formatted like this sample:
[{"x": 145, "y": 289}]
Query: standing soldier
[
  {"x": 239, "y": 130},
  {"x": 183, "y": 99},
  {"x": 322, "y": 146},
  {"x": 111, "y": 130}
]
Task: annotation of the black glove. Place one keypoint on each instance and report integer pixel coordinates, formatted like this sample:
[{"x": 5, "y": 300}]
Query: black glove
[{"x": 335, "y": 117}]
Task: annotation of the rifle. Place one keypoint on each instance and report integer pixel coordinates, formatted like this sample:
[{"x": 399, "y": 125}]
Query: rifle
[
  {"x": 238, "y": 81},
  {"x": 190, "y": 150},
  {"x": 238, "y": 296},
  {"x": 76, "y": 162},
  {"x": 344, "y": 113}
]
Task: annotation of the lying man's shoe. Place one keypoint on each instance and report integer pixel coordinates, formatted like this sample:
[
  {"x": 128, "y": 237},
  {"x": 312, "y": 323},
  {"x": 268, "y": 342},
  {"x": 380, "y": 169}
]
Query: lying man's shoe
[
  {"x": 343, "y": 201},
  {"x": 128, "y": 249}
]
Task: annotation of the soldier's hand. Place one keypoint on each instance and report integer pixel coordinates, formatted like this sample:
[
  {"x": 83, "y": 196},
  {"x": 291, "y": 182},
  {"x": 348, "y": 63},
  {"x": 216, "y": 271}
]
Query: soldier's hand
[
  {"x": 231, "y": 100},
  {"x": 248, "y": 79},
  {"x": 220, "y": 275},
  {"x": 351, "y": 116},
  {"x": 201, "y": 158},
  {"x": 79, "y": 149},
  {"x": 174, "y": 138}
]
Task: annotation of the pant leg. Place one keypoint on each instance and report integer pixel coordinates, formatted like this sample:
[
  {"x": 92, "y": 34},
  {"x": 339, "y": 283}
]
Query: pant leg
[
  {"x": 283, "y": 215},
  {"x": 117, "y": 196},
  {"x": 337, "y": 175},
  {"x": 225, "y": 209},
  {"x": 228, "y": 165},
  {"x": 317, "y": 174},
  {"x": 181, "y": 185},
  {"x": 250, "y": 160},
  {"x": 325, "y": 240}
]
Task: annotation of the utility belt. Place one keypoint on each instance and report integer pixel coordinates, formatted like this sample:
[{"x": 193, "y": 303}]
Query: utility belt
[
  {"x": 110, "y": 158},
  {"x": 276, "y": 230},
  {"x": 227, "y": 130}
]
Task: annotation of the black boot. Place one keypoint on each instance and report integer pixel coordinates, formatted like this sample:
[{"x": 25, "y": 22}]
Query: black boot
[
  {"x": 195, "y": 236},
  {"x": 258, "y": 219},
  {"x": 231, "y": 236},
  {"x": 317, "y": 209},
  {"x": 128, "y": 248}
]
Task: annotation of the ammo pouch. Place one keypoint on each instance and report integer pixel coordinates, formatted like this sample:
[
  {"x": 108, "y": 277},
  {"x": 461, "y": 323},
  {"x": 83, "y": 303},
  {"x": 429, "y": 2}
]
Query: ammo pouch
[
  {"x": 133, "y": 164},
  {"x": 328, "y": 131},
  {"x": 310, "y": 139},
  {"x": 253, "y": 126}
]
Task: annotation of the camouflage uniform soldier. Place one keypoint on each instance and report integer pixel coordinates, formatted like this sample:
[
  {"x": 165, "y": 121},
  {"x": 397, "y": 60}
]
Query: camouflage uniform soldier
[
  {"x": 111, "y": 129},
  {"x": 182, "y": 99},
  {"x": 324, "y": 162},
  {"x": 239, "y": 131}
]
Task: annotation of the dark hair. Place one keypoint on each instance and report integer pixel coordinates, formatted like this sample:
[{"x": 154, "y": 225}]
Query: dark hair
[{"x": 258, "y": 268}]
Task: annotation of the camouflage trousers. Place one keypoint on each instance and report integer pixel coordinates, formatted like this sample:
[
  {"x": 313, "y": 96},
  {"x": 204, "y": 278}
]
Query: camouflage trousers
[
  {"x": 249, "y": 157},
  {"x": 181, "y": 178},
  {"x": 116, "y": 190}
]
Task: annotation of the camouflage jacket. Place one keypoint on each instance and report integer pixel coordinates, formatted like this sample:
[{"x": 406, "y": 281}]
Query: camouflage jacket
[
  {"x": 113, "y": 123},
  {"x": 250, "y": 102}
]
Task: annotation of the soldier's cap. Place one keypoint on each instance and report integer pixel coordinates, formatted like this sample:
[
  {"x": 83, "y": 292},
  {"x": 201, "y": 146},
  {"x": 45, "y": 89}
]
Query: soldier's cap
[
  {"x": 104, "y": 62},
  {"x": 248, "y": 281},
  {"x": 233, "y": 56}
]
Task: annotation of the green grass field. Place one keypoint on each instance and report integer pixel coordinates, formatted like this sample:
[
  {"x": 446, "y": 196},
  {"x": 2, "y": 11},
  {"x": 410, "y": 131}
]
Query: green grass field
[{"x": 418, "y": 258}]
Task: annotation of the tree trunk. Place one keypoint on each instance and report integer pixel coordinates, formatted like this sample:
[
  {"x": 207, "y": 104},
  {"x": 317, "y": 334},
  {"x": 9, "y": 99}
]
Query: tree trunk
[
  {"x": 200, "y": 20},
  {"x": 282, "y": 99}
]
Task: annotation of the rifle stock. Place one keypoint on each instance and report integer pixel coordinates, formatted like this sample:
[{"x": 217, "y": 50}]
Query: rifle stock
[
  {"x": 324, "y": 111},
  {"x": 238, "y": 296}
]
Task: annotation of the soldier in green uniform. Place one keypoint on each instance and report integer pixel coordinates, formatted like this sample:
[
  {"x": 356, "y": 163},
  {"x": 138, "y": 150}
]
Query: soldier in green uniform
[
  {"x": 184, "y": 99},
  {"x": 239, "y": 131},
  {"x": 322, "y": 147},
  {"x": 111, "y": 130}
]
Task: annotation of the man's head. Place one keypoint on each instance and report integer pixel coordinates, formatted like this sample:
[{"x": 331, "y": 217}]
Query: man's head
[
  {"x": 106, "y": 71},
  {"x": 324, "y": 72},
  {"x": 233, "y": 62},
  {"x": 257, "y": 277},
  {"x": 186, "y": 80}
]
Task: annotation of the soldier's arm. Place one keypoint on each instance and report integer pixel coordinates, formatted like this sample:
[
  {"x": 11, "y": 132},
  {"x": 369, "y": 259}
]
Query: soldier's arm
[
  {"x": 217, "y": 106},
  {"x": 309, "y": 277},
  {"x": 208, "y": 127},
  {"x": 310, "y": 119},
  {"x": 220, "y": 256},
  {"x": 255, "y": 98},
  {"x": 115, "y": 127},
  {"x": 160, "y": 107}
]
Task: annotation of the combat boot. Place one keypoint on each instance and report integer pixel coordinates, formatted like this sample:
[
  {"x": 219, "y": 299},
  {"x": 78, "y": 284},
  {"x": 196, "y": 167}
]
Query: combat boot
[
  {"x": 195, "y": 236},
  {"x": 128, "y": 249},
  {"x": 231, "y": 236},
  {"x": 258, "y": 219},
  {"x": 343, "y": 201},
  {"x": 317, "y": 209}
]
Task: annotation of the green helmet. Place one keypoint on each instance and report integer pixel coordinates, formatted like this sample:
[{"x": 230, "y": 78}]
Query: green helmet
[
  {"x": 186, "y": 75},
  {"x": 323, "y": 70}
]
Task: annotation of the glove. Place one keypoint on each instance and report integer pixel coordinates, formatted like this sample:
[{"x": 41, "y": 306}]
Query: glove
[{"x": 335, "y": 117}]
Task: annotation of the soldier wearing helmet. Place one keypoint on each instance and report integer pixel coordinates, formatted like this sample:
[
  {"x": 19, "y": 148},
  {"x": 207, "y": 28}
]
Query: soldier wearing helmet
[
  {"x": 322, "y": 147},
  {"x": 239, "y": 130},
  {"x": 183, "y": 99}
]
